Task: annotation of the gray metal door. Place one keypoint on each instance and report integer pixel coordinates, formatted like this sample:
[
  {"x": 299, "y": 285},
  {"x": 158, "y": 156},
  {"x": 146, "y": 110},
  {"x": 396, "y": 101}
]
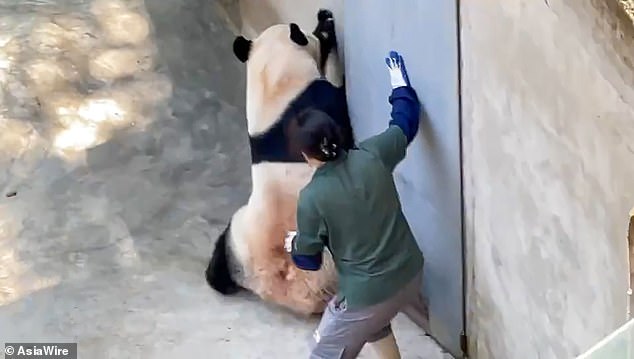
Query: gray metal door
[{"x": 429, "y": 180}]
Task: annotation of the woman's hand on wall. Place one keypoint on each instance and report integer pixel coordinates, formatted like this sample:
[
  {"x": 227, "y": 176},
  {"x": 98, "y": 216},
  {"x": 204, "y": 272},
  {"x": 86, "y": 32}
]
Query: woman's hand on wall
[{"x": 396, "y": 67}]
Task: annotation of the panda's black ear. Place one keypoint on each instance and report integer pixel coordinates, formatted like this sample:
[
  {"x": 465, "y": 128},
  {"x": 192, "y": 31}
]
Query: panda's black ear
[
  {"x": 242, "y": 48},
  {"x": 297, "y": 35}
]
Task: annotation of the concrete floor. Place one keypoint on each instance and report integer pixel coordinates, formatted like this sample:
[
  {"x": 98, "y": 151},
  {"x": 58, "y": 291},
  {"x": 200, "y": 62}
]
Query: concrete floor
[{"x": 105, "y": 243}]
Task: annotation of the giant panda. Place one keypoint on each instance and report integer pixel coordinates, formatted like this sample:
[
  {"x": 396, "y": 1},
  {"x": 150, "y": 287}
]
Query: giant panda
[{"x": 288, "y": 70}]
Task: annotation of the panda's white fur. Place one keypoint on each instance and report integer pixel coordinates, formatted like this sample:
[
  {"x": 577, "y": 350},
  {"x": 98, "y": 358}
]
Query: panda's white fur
[{"x": 278, "y": 70}]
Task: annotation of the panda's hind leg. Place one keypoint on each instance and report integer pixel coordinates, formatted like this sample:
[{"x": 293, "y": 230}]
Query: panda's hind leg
[
  {"x": 330, "y": 61},
  {"x": 303, "y": 292},
  {"x": 218, "y": 273}
]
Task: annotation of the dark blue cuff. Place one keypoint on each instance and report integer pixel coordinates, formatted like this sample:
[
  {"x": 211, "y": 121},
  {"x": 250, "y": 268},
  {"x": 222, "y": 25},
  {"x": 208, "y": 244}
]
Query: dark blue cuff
[
  {"x": 405, "y": 111},
  {"x": 305, "y": 262}
]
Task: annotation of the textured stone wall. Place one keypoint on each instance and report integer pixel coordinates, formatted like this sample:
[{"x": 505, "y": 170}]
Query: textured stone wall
[
  {"x": 548, "y": 145},
  {"x": 630, "y": 242}
]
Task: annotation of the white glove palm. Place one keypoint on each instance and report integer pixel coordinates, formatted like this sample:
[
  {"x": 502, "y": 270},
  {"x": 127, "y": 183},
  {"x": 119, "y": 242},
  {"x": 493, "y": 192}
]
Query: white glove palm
[{"x": 396, "y": 68}]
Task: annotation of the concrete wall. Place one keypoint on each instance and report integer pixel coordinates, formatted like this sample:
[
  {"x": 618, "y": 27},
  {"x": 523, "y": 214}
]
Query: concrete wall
[
  {"x": 428, "y": 179},
  {"x": 630, "y": 242},
  {"x": 548, "y": 143}
]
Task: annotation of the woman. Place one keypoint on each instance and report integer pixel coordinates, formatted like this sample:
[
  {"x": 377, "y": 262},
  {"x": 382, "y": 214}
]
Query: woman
[{"x": 351, "y": 206}]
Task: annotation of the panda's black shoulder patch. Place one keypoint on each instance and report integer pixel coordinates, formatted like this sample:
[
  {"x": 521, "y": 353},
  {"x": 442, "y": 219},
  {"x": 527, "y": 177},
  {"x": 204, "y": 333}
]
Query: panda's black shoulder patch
[{"x": 274, "y": 145}]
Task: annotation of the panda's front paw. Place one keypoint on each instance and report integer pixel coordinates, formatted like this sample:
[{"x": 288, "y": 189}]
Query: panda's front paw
[
  {"x": 324, "y": 14},
  {"x": 325, "y": 30}
]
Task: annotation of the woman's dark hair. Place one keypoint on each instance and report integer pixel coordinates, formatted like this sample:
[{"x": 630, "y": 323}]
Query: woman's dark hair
[{"x": 318, "y": 135}]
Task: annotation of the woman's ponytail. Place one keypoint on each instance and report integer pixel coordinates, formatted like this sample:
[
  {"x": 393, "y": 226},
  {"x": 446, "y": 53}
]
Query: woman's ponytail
[{"x": 318, "y": 135}]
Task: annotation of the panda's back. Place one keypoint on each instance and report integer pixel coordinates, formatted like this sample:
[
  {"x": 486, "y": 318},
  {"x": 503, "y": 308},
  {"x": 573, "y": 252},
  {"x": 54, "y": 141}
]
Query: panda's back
[{"x": 275, "y": 145}]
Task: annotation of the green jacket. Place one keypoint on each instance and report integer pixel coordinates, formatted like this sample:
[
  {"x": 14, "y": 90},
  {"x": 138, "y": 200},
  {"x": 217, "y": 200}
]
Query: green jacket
[{"x": 351, "y": 207}]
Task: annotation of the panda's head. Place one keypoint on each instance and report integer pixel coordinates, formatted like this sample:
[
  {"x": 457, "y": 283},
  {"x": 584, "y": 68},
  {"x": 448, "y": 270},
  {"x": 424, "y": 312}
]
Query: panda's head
[
  {"x": 279, "y": 49},
  {"x": 281, "y": 62}
]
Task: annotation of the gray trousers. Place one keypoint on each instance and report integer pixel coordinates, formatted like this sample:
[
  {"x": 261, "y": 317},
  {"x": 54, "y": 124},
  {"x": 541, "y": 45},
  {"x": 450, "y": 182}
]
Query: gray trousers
[{"x": 343, "y": 332}]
